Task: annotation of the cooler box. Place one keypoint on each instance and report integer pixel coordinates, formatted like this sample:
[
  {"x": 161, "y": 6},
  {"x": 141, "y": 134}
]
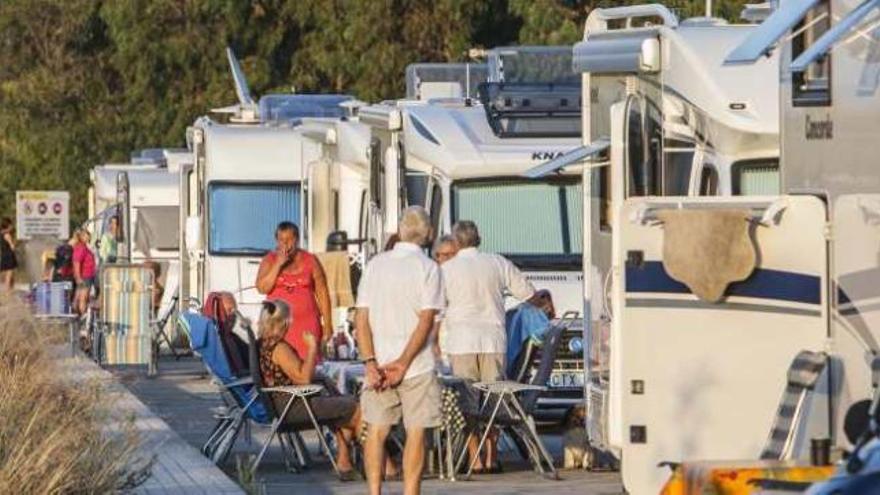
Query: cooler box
[{"x": 53, "y": 298}]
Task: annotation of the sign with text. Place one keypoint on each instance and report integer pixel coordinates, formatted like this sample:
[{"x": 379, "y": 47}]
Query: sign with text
[{"x": 42, "y": 214}]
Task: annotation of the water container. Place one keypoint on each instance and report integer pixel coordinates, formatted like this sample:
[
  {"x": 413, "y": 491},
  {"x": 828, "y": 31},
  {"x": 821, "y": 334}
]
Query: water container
[{"x": 52, "y": 298}]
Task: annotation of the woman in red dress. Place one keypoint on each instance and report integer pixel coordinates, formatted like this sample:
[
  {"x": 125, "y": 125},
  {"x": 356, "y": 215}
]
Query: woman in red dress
[{"x": 295, "y": 276}]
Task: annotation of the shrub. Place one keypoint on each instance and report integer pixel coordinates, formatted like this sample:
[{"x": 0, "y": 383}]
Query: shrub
[{"x": 54, "y": 433}]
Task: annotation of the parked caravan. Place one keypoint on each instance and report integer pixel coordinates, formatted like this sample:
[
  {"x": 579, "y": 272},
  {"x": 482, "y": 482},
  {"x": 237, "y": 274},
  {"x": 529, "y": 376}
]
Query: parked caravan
[
  {"x": 249, "y": 173},
  {"x": 461, "y": 154},
  {"x": 768, "y": 331},
  {"x": 461, "y": 157},
  {"x": 144, "y": 195}
]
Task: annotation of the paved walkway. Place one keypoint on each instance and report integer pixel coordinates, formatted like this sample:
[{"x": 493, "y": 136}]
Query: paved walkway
[
  {"x": 182, "y": 396},
  {"x": 178, "y": 468}
]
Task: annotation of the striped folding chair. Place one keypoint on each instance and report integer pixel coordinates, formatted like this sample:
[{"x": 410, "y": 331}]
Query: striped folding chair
[
  {"x": 803, "y": 375},
  {"x": 126, "y": 335}
]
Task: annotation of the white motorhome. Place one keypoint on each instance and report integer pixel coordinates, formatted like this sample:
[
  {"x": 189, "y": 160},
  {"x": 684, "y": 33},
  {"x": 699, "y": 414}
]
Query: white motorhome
[
  {"x": 662, "y": 117},
  {"x": 461, "y": 156},
  {"x": 716, "y": 379},
  {"x": 146, "y": 193},
  {"x": 248, "y": 174}
]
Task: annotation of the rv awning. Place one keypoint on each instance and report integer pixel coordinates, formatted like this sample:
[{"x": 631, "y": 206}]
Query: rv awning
[
  {"x": 157, "y": 227},
  {"x": 572, "y": 157},
  {"x": 764, "y": 36},
  {"x": 821, "y": 46},
  {"x": 610, "y": 54}
]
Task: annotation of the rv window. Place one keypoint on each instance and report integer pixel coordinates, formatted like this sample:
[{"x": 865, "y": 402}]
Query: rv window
[
  {"x": 677, "y": 174},
  {"x": 376, "y": 172},
  {"x": 416, "y": 188},
  {"x": 644, "y": 148},
  {"x": 604, "y": 190},
  {"x": 635, "y": 152},
  {"x": 755, "y": 178},
  {"x": 708, "y": 181},
  {"x": 812, "y": 87},
  {"x": 523, "y": 218},
  {"x": 436, "y": 206},
  {"x": 243, "y": 216}
]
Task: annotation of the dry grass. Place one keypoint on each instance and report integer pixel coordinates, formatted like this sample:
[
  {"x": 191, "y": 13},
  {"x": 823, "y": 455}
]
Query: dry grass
[{"x": 51, "y": 435}]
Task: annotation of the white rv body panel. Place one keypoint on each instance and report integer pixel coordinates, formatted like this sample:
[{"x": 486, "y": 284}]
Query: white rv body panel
[
  {"x": 710, "y": 375},
  {"x": 243, "y": 155}
]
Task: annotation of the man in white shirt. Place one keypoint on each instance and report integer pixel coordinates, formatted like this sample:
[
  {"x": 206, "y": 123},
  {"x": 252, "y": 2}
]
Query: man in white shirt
[
  {"x": 476, "y": 341},
  {"x": 400, "y": 294}
]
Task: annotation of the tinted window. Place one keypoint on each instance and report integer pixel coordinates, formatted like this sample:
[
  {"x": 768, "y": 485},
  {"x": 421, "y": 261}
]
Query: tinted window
[{"x": 813, "y": 86}]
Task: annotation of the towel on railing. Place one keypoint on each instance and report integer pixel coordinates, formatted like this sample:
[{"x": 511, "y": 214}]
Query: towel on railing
[
  {"x": 707, "y": 250},
  {"x": 337, "y": 269}
]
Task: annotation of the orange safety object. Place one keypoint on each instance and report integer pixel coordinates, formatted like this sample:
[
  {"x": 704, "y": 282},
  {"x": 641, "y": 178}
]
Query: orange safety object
[{"x": 718, "y": 479}]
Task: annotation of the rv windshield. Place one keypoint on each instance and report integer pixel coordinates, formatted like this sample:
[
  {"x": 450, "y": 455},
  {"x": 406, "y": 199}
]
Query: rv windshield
[
  {"x": 531, "y": 222},
  {"x": 243, "y": 216}
]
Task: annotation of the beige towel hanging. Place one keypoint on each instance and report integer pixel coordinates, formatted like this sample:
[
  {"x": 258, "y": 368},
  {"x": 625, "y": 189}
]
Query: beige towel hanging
[
  {"x": 707, "y": 250},
  {"x": 337, "y": 269}
]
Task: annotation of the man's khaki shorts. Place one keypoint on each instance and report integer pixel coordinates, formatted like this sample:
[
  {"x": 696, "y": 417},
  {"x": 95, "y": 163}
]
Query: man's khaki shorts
[
  {"x": 483, "y": 367},
  {"x": 416, "y": 399}
]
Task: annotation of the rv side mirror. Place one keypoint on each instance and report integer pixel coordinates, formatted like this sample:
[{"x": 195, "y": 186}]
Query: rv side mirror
[
  {"x": 649, "y": 58},
  {"x": 193, "y": 233}
]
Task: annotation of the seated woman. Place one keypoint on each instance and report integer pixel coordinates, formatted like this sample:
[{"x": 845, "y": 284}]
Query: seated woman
[{"x": 280, "y": 365}]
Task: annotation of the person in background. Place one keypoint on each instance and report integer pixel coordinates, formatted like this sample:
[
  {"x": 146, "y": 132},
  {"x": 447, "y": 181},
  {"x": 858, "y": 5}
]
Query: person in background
[
  {"x": 109, "y": 241},
  {"x": 84, "y": 270},
  {"x": 8, "y": 262},
  {"x": 444, "y": 250},
  {"x": 296, "y": 277},
  {"x": 400, "y": 294},
  {"x": 476, "y": 341}
]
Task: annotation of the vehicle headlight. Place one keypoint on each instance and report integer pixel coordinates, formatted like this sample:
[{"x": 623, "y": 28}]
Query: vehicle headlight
[{"x": 576, "y": 345}]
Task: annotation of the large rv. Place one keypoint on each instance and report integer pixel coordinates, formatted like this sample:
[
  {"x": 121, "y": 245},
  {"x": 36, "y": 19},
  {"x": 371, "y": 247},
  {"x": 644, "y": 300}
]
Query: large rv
[
  {"x": 459, "y": 144},
  {"x": 249, "y": 173},
  {"x": 662, "y": 117},
  {"x": 777, "y": 358},
  {"x": 461, "y": 156}
]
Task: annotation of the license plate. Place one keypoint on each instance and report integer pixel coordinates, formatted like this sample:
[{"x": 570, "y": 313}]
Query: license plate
[{"x": 566, "y": 380}]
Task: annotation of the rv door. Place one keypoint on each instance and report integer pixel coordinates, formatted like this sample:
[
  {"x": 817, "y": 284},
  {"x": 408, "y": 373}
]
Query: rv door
[{"x": 693, "y": 379}]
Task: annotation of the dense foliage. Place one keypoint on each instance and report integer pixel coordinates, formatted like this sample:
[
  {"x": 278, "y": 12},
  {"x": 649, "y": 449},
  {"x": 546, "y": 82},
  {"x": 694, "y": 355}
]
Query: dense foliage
[{"x": 86, "y": 81}]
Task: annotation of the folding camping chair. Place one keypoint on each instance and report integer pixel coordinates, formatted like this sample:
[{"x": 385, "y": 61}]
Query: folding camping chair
[
  {"x": 803, "y": 375},
  {"x": 124, "y": 332},
  {"x": 236, "y": 390},
  {"x": 287, "y": 437},
  {"x": 510, "y": 405}
]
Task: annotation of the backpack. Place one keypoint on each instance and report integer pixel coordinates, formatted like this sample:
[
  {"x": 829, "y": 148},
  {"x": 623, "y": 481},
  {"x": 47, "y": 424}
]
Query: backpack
[{"x": 63, "y": 263}]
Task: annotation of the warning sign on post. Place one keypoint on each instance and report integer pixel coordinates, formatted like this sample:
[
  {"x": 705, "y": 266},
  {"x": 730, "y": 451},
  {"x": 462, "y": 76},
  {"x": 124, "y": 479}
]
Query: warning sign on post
[{"x": 42, "y": 214}]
